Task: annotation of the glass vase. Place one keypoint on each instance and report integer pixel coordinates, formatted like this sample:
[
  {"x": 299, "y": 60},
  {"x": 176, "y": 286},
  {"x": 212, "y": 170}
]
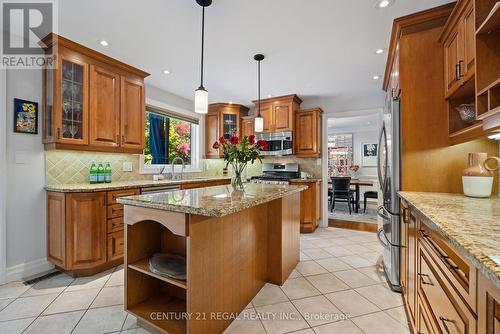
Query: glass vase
[{"x": 237, "y": 181}]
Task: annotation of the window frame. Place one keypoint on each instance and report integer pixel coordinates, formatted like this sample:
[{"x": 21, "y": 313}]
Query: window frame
[{"x": 194, "y": 167}]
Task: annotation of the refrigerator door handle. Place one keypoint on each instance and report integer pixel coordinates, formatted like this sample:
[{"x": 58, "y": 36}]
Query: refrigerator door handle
[
  {"x": 381, "y": 211},
  {"x": 379, "y": 237},
  {"x": 379, "y": 163}
]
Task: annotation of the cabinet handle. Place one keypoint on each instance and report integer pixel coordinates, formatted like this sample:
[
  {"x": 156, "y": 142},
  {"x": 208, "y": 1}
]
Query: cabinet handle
[
  {"x": 118, "y": 139},
  {"x": 423, "y": 281},
  {"x": 406, "y": 216},
  {"x": 123, "y": 139},
  {"x": 444, "y": 321},
  {"x": 457, "y": 71},
  {"x": 448, "y": 263},
  {"x": 460, "y": 63}
]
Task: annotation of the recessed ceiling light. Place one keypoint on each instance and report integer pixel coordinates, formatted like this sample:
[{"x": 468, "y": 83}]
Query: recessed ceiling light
[
  {"x": 269, "y": 95},
  {"x": 230, "y": 102},
  {"x": 379, "y": 51},
  {"x": 104, "y": 42},
  {"x": 166, "y": 72},
  {"x": 376, "y": 77},
  {"x": 384, "y": 3}
]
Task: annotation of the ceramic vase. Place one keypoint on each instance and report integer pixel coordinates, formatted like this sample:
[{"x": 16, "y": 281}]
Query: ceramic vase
[{"x": 477, "y": 178}]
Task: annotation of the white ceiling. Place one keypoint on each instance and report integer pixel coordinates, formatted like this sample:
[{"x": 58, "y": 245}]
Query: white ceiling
[
  {"x": 322, "y": 50},
  {"x": 367, "y": 122}
]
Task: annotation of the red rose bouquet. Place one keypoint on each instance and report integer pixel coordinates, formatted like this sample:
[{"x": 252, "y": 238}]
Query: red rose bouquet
[{"x": 238, "y": 152}]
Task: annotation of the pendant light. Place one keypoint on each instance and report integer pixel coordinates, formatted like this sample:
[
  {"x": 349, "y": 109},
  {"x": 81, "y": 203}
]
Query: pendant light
[
  {"x": 201, "y": 94},
  {"x": 259, "y": 121}
]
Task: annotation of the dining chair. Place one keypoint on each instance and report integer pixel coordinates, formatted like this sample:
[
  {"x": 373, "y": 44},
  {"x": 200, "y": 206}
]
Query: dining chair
[
  {"x": 341, "y": 192},
  {"x": 369, "y": 194}
]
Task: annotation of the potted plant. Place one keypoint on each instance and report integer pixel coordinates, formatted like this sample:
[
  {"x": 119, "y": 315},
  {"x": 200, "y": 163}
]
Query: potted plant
[{"x": 238, "y": 153}]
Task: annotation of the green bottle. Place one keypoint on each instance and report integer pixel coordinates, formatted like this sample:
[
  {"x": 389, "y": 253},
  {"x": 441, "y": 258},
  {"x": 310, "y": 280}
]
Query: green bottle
[
  {"x": 93, "y": 173},
  {"x": 107, "y": 173},
  {"x": 100, "y": 173}
]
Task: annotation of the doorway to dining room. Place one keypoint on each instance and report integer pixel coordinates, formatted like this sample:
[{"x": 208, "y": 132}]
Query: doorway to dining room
[{"x": 352, "y": 171}]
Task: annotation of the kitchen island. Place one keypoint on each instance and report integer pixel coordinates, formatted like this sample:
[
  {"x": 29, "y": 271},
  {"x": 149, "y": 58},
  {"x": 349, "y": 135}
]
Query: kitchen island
[{"x": 234, "y": 242}]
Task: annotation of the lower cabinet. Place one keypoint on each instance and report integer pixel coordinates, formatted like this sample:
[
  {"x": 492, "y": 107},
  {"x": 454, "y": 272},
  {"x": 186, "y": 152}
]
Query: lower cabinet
[
  {"x": 85, "y": 230},
  {"x": 310, "y": 206},
  {"x": 442, "y": 290}
]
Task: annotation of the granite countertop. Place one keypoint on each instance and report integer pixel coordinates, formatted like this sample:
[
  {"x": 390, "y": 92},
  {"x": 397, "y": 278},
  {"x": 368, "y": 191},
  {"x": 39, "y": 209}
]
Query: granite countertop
[
  {"x": 216, "y": 201},
  {"x": 87, "y": 187},
  {"x": 312, "y": 180},
  {"x": 470, "y": 224}
]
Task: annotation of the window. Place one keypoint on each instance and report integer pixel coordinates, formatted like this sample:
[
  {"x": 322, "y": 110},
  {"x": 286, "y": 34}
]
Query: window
[
  {"x": 168, "y": 137},
  {"x": 340, "y": 153}
]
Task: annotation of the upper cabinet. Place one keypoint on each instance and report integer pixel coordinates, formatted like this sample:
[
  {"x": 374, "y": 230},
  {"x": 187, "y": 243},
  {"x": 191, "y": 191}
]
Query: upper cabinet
[
  {"x": 247, "y": 126},
  {"x": 279, "y": 112},
  {"x": 458, "y": 39},
  {"x": 308, "y": 133},
  {"x": 223, "y": 119},
  {"x": 91, "y": 101},
  {"x": 471, "y": 58},
  {"x": 487, "y": 23}
]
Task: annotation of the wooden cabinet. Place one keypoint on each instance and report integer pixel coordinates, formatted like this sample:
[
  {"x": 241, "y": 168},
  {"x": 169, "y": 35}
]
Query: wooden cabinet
[
  {"x": 408, "y": 259},
  {"x": 104, "y": 113},
  {"x": 459, "y": 48},
  {"x": 247, "y": 126},
  {"x": 91, "y": 101},
  {"x": 488, "y": 306},
  {"x": 223, "y": 119},
  {"x": 131, "y": 121},
  {"x": 85, "y": 230},
  {"x": 442, "y": 290},
  {"x": 308, "y": 134},
  {"x": 310, "y": 205},
  {"x": 279, "y": 112}
]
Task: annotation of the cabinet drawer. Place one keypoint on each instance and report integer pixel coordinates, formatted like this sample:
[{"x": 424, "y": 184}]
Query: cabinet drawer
[
  {"x": 461, "y": 274},
  {"x": 113, "y": 195},
  {"x": 451, "y": 315},
  {"x": 116, "y": 244},
  {"x": 115, "y": 211},
  {"x": 115, "y": 224}
]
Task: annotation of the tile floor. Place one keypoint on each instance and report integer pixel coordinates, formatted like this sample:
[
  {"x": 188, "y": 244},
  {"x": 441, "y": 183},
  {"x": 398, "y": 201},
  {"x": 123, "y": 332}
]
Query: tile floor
[{"x": 338, "y": 287}]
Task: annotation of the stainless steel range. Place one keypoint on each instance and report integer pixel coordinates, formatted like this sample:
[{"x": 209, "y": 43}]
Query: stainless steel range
[{"x": 275, "y": 173}]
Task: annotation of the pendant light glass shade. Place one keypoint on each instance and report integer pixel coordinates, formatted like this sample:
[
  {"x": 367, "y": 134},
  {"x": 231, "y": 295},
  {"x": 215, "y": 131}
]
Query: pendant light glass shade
[
  {"x": 201, "y": 101},
  {"x": 201, "y": 94},
  {"x": 259, "y": 120},
  {"x": 259, "y": 124}
]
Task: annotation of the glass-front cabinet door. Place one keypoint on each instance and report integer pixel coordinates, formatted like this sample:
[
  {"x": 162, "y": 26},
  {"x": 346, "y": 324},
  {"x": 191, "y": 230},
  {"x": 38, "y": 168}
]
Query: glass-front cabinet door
[
  {"x": 72, "y": 111},
  {"x": 230, "y": 123}
]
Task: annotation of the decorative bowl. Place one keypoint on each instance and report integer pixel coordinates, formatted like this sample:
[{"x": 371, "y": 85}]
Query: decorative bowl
[{"x": 467, "y": 112}]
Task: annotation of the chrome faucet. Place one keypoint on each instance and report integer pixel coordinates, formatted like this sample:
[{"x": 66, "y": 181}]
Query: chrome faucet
[{"x": 173, "y": 168}]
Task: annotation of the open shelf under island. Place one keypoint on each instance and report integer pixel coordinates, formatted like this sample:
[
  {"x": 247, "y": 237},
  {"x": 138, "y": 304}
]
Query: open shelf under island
[{"x": 234, "y": 242}]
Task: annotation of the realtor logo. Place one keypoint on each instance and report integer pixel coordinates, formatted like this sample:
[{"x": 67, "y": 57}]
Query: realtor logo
[{"x": 24, "y": 25}]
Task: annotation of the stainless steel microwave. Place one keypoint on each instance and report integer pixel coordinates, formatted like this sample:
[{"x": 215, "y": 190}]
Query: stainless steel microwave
[{"x": 279, "y": 143}]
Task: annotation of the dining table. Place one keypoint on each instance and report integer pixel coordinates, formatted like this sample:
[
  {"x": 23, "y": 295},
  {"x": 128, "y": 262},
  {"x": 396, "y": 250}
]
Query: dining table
[{"x": 357, "y": 183}]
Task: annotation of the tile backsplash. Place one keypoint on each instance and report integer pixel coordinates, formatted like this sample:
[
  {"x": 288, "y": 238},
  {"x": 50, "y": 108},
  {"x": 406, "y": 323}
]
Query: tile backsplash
[{"x": 63, "y": 167}]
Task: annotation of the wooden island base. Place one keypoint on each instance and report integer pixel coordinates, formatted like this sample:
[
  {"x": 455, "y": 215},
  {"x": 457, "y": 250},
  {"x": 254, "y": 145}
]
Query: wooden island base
[{"x": 229, "y": 259}]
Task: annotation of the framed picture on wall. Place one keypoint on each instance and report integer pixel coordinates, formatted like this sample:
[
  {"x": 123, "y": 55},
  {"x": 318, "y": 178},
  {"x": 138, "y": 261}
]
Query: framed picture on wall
[
  {"x": 25, "y": 116},
  {"x": 369, "y": 154}
]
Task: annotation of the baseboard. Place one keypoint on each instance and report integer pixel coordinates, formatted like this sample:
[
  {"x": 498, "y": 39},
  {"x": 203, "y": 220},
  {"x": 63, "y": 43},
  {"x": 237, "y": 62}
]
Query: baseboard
[
  {"x": 25, "y": 270},
  {"x": 352, "y": 225}
]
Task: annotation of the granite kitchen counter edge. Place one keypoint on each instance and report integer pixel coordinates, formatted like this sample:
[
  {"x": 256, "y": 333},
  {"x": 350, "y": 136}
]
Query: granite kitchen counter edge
[
  {"x": 472, "y": 225},
  {"x": 214, "y": 201},
  {"x": 119, "y": 185}
]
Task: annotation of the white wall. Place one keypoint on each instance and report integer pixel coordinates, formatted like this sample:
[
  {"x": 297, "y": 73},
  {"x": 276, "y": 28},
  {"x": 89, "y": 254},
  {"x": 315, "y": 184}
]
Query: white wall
[
  {"x": 25, "y": 204},
  {"x": 3, "y": 172}
]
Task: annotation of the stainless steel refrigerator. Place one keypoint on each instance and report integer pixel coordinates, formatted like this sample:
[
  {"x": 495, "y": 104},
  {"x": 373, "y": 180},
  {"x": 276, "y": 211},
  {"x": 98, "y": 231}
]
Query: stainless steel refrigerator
[{"x": 389, "y": 169}]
